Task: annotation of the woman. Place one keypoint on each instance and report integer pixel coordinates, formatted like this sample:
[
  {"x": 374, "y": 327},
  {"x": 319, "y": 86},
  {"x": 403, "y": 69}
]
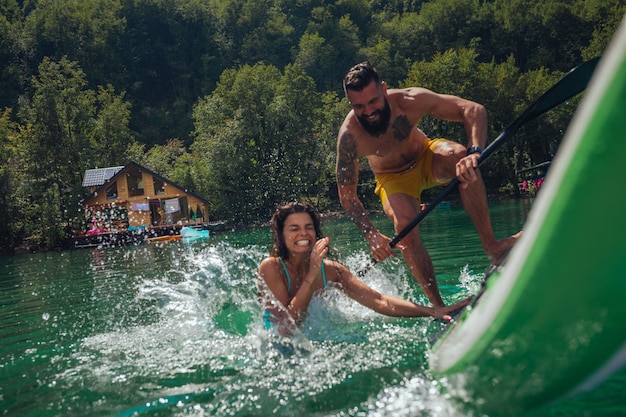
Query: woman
[{"x": 296, "y": 270}]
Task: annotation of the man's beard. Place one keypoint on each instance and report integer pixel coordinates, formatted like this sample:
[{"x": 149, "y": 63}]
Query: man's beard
[{"x": 383, "y": 122}]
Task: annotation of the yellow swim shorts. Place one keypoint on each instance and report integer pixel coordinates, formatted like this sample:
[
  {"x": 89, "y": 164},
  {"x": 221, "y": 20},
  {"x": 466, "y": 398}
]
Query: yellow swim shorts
[{"x": 412, "y": 181}]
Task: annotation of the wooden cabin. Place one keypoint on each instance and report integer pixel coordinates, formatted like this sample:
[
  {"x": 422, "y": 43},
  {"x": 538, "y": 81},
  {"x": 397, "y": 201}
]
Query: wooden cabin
[{"x": 132, "y": 197}]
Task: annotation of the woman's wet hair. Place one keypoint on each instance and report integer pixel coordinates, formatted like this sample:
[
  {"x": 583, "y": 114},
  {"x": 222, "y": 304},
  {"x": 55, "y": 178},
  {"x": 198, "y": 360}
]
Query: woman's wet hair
[{"x": 279, "y": 248}]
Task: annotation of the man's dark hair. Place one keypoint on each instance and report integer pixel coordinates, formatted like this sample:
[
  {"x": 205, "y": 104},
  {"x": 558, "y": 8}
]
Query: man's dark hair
[{"x": 360, "y": 76}]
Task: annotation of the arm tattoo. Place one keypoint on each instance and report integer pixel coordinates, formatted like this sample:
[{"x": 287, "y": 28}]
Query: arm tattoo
[
  {"x": 346, "y": 173},
  {"x": 347, "y": 176},
  {"x": 401, "y": 128}
]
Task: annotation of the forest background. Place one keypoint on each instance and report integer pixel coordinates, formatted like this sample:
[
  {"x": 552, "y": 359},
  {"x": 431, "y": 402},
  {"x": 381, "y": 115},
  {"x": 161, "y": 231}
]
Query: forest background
[{"x": 240, "y": 101}]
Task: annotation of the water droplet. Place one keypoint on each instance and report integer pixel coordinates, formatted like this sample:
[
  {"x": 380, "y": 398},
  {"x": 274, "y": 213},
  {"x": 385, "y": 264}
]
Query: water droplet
[{"x": 45, "y": 316}]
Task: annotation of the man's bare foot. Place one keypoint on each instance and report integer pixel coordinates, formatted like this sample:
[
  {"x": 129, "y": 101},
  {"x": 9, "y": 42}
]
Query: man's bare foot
[{"x": 501, "y": 248}]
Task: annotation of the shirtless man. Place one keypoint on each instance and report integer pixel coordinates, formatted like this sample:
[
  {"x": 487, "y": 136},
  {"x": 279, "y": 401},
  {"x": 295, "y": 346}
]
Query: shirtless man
[{"x": 382, "y": 128}]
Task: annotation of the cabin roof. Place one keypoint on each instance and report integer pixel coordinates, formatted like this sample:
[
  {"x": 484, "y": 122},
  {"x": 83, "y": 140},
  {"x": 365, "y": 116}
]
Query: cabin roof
[
  {"x": 125, "y": 169},
  {"x": 98, "y": 176}
]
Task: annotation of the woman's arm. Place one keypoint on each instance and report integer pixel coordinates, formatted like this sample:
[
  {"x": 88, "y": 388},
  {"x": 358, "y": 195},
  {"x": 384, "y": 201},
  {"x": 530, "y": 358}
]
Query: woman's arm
[{"x": 389, "y": 305}]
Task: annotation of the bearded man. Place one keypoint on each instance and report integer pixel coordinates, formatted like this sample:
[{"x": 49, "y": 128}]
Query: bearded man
[{"x": 382, "y": 127}]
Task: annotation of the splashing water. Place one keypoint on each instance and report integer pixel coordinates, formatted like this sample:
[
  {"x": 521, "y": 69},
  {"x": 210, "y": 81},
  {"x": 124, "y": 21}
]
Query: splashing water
[{"x": 202, "y": 348}]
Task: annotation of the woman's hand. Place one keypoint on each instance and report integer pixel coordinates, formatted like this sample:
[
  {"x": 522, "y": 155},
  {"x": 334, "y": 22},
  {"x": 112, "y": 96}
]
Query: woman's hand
[
  {"x": 320, "y": 249},
  {"x": 444, "y": 312}
]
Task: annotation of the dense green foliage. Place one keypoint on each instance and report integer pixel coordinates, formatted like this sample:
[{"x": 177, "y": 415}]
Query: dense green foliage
[{"x": 240, "y": 100}]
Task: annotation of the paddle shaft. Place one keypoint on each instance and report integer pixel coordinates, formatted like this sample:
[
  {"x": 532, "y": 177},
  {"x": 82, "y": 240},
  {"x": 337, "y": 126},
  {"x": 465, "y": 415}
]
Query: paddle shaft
[{"x": 567, "y": 87}]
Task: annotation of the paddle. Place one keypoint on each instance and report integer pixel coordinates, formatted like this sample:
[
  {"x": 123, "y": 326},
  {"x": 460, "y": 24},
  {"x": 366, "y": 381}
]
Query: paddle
[{"x": 567, "y": 87}]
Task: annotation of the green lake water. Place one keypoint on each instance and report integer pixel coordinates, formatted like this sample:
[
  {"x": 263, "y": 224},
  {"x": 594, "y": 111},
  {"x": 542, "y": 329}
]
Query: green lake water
[{"x": 174, "y": 329}]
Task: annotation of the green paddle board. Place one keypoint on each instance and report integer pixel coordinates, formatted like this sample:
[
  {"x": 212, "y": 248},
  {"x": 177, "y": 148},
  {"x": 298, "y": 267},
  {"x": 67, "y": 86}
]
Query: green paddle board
[{"x": 552, "y": 319}]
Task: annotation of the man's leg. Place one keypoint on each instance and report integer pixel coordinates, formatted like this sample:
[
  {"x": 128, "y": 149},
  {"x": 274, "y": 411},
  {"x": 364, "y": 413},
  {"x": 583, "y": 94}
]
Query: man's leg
[
  {"x": 474, "y": 199},
  {"x": 401, "y": 209}
]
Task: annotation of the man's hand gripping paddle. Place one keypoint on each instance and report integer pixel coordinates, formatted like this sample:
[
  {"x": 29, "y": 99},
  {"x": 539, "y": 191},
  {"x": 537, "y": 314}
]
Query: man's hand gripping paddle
[{"x": 567, "y": 87}]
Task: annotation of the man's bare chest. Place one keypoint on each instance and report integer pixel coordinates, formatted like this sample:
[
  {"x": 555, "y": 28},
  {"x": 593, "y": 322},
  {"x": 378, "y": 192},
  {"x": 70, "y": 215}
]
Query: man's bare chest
[{"x": 388, "y": 146}]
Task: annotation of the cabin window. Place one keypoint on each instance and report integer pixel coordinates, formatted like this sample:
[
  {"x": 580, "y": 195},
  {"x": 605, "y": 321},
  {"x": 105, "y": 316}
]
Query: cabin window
[
  {"x": 135, "y": 183},
  {"x": 112, "y": 191},
  {"x": 159, "y": 186}
]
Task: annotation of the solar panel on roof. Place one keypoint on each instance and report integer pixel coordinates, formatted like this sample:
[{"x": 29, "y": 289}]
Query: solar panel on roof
[
  {"x": 99, "y": 176},
  {"x": 109, "y": 172}
]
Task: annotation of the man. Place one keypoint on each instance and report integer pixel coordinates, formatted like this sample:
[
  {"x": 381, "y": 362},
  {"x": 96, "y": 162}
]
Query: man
[{"x": 382, "y": 126}]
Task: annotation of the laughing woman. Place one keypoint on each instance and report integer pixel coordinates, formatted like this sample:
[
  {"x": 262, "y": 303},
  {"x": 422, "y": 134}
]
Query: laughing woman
[{"x": 296, "y": 270}]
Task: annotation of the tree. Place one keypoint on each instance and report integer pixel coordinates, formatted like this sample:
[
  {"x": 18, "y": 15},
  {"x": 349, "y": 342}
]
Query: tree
[
  {"x": 606, "y": 17},
  {"x": 315, "y": 55},
  {"x": 270, "y": 34},
  {"x": 162, "y": 158},
  {"x": 7, "y": 131},
  {"x": 86, "y": 32},
  {"x": 452, "y": 23},
  {"x": 452, "y": 72},
  {"x": 254, "y": 136},
  {"x": 333, "y": 111},
  {"x": 404, "y": 38},
  {"x": 111, "y": 136},
  {"x": 10, "y": 29},
  {"x": 170, "y": 56},
  {"x": 60, "y": 118},
  {"x": 340, "y": 38},
  {"x": 64, "y": 126}
]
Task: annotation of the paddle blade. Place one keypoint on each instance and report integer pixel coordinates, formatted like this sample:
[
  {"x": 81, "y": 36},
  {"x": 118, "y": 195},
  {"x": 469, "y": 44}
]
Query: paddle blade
[{"x": 571, "y": 84}]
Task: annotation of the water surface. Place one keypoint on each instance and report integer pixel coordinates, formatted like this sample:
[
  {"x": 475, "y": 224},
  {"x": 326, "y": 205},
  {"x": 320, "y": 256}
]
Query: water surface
[{"x": 174, "y": 329}]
